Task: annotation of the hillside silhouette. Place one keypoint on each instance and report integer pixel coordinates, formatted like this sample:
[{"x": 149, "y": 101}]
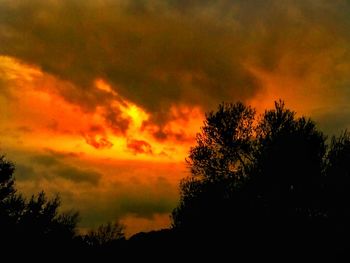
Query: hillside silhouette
[{"x": 270, "y": 186}]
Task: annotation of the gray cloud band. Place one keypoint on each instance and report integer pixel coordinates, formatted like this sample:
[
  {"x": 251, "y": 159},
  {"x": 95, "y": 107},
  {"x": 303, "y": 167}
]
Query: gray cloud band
[{"x": 162, "y": 53}]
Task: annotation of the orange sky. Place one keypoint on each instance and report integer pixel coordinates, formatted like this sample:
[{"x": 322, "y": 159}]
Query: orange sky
[
  {"x": 100, "y": 101},
  {"x": 37, "y": 121}
]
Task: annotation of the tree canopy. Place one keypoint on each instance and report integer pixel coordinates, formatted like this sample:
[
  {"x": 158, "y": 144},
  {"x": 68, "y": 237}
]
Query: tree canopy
[{"x": 272, "y": 175}]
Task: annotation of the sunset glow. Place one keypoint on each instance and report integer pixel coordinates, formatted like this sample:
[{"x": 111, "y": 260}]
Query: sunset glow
[{"x": 101, "y": 101}]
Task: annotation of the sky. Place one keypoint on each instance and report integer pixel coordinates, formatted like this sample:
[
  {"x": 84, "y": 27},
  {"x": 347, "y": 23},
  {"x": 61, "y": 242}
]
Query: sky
[{"x": 100, "y": 100}]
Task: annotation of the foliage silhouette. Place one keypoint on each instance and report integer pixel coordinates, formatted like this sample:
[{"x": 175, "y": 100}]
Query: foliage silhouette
[
  {"x": 36, "y": 225},
  {"x": 105, "y": 235},
  {"x": 219, "y": 164},
  {"x": 28, "y": 225},
  {"x": 270, "y": 181},
  {"x": 260, "y": 186}
]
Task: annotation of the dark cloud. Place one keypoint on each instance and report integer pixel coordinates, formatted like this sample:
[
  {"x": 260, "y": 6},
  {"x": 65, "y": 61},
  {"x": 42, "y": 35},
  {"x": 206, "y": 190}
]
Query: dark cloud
[
  {"x": 53, "y": 166},
  {"x": 24, "y": 172},
  {"x": 46, "y": 160},
  {"x": 165, "y": 52},
  {"x": 116, "y": 121},
  {"x": 63, "y": 155},
  {"x": 139, "y": 146},
  {"x": 156, "y": 199},
  {"x": 135, "y": 189},
  {"x": 156, "y": 59},
  {"x": 96, "y": 137},
  {"x": 78, "y": 175},
  {"x": 98, "y": 143},
  {"x": 146, "y": 208},
  {"x": 141, "y": 200},
  {"x": 333, "y": 122},
  {"x": 162, "y": 135}
]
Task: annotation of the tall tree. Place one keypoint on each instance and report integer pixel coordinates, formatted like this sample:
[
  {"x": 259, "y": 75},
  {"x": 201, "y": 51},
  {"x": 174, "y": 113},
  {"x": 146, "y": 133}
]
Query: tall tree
[
  {"x": 219, "y": 164},
  {"x": 288, "y": 162},
  {"x": 252, "y": 173}
]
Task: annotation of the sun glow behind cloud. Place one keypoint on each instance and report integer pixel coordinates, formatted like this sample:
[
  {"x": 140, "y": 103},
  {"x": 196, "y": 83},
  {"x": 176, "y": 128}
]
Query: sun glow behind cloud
[
  {"x": 37, "y": 121},
  {"x": 101, "y": 100},
  {"x": 53, "y": 122}
]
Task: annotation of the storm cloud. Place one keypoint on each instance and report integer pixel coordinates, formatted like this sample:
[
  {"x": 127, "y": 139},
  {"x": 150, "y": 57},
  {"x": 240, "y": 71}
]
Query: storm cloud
[
  {"x": 132, "y": 80},
  {"x": 160, "y": 53}
]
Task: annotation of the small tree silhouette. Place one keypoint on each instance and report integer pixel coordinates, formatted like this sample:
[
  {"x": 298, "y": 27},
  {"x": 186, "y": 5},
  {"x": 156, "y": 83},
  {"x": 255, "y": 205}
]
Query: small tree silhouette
[
  {"x": 105, "y": 234},
  {"x": 35, "y": 222}
]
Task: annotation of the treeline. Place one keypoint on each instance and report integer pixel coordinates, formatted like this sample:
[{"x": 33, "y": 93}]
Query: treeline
[
  {"x": 269, "y": 186},
  {"x": 35, "y": 225}
]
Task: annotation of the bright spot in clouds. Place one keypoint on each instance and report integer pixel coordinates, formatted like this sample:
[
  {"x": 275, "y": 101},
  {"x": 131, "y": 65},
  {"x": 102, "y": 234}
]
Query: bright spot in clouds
[{"x": 101, "y": 100}]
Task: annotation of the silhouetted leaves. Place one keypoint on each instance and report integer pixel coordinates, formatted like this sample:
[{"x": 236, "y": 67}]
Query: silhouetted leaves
[
  {"x": 224, "y": 145},
  {"x": 105, "y": 234},
  {"x": 35, "y": 222},
  {"x": 6, "y": 179},
  {"x": 270, "y": 177},
  {"x": 259, "y": 186}
]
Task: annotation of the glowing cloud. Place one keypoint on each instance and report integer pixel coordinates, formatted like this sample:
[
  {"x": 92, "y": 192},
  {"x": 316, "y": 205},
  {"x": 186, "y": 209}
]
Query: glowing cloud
[{"x": 123, "y": 85}]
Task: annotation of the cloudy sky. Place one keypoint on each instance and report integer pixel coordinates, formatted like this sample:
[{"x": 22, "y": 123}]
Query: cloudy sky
[{"x": 100, "y": 100}]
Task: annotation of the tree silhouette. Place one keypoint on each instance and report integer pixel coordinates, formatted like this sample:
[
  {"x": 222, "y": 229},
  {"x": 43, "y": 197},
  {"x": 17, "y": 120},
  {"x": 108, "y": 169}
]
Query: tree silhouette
[
  {"x": 36, "y": 225},
  {"x": 286, "y": 180},
  {"x": 219, "y": 164},
  {"x": 105, "y": 234},
  {"x": 6, "y": 179},
  {"x": 10, "y": 204},
  {"x": 225, "y": 144},
  {"x": 263, "y": 177},
  {"x": 259, "y": 186},
  {"x": 338, "y": 176},
  {"x": 288, "y": 162},
  {"x": 35, "y": 222},
  {"x": 337, "y": 195},
  {"x": 43, "y": 224}
]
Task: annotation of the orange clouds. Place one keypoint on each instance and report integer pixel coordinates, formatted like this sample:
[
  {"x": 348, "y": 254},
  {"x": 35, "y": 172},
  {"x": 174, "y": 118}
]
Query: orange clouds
[
  {"x": 138, "y": 146},
  {"x": 98, "y": 142},
  {"x": 129, "y": 81},
  {"x": 140, "y": 193},
  {"x": 84, "y": 163},
  {"x": 119, "y": 125},
  {"x": 162, "y": 55},
  {"x": 61, "y": 146}
]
